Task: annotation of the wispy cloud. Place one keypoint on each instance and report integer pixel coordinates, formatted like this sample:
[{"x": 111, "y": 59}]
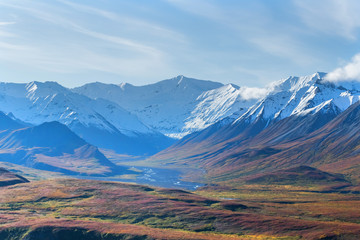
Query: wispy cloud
[
  {"x": 128, "y": 57},
  {"x": 6, "y": 23},
  {"x": 10, "y": 46},
  {"x": 351, "y": 71},
  {"x": 247, "y": 42},
  {"x": 339, "y": 17},
  {"x": 92, "y": 10},
  {"x": 130, "y": 22},
  {"x": 202, "y": 8},
  {"x": 6, "y": 37},
  {"x": 286, "y": 47},
  {"x": 82, "y": 59},
  {"x": 135, "y": 46},
  {"x": 3, "y": 32},
  {"x": 254, "y": 25}
]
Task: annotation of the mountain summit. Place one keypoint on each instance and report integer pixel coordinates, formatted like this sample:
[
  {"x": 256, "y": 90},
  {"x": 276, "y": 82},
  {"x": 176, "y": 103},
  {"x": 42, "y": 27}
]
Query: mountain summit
[
  {"x": 53, "y": 146},
  {"x": 100, "y": 122},
  {"x": 274, "y": 133},
  {"x": 176, "y": 106}
]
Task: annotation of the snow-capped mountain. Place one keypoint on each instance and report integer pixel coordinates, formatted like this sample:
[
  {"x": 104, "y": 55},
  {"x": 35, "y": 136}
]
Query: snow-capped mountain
[
  {"x": 38, "y": 102},
  {"x": 215, "y": 105},
  {"x": 301, "y": 121},
  {"x": 177, "y": 106},
  {"x": 300, "y": 96},
  {"x": 129, "y": 119}
]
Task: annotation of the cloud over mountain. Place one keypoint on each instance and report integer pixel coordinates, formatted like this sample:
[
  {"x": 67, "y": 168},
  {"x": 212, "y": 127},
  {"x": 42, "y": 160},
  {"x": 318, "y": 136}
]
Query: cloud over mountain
[{"x": 350, "y": 71}]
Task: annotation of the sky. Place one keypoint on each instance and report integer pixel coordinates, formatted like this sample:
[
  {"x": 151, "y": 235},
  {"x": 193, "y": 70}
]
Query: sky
[{"x": 249, "y": 43}]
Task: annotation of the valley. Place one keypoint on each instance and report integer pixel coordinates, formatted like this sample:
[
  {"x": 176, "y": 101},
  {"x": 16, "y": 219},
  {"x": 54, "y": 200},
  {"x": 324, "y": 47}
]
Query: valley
[
  {"x": 88, "y": 209},
  {"x": 280, "y": 165},
  {"x": 179, "y": 120}
]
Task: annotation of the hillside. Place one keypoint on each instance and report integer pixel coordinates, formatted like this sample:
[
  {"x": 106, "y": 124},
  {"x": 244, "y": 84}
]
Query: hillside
[
  {"x": 324, "y": 134},
  {"x": 8, "y": 178},
  {"x": 53, "y": 146},
  {"x": 301, "y": 176}
]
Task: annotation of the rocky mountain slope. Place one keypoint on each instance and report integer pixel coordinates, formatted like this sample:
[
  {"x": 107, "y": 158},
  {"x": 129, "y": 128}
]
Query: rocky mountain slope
[
  {"x": 283, "y": 130},
  {"x": 51, "y": 146},
  {"x": 100, "y": 122},
  {"x": 177, "y": 106}
]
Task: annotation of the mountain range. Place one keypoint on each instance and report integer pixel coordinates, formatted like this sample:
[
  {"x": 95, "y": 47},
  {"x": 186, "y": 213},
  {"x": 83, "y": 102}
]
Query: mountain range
[
  {"x": 51, "y": 146},
  {"x": 177, "y": 106},
  {"x": 231, "y": 132},
  {"x": 99, "y": 122},
  {"x": 124, "y": 118},
  {"x": 301, "y": 121}
]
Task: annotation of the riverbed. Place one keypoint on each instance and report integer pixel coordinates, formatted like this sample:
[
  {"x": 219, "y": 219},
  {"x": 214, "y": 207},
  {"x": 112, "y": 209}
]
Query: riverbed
[{"x": 166, "y": 178}]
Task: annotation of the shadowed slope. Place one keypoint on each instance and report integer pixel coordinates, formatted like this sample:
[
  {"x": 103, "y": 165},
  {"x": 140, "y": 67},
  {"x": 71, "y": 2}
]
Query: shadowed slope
[
  {"x": 8, "y": 178},
  {"x": 8, "y": 123},
  {"x": 324, "y": 140},
  {"x": 301, "y": 175},
  {"x": 53, "y": 146}
]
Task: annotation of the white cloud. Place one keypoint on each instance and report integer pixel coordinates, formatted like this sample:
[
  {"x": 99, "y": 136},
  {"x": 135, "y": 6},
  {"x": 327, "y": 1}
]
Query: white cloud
[
  {"x": 333, "y": 17},
  {"x": 248, "y": 93},
  {"x": 350, "y": 71}
]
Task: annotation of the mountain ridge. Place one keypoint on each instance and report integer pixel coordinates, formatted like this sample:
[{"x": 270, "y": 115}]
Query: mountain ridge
[
  {"x": 169, "y": 105},
  {"x": 250, "y": 143},
  {"x": 52, "y": 146},
  {"x": 37, "y": 103}
]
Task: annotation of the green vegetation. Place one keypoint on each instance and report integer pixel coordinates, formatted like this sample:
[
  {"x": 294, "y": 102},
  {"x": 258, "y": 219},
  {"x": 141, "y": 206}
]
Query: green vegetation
[{"x": 108, "y": 210}]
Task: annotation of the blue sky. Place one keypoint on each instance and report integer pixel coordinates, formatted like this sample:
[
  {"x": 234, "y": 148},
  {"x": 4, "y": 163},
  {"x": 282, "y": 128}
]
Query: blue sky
[{"x": 249, "y": 43}]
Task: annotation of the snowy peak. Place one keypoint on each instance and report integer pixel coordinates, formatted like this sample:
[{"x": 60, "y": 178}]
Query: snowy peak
[
  {"x": 217, "y": 104},
  {"x": 180, "y": 77},
  {"x": 226, "y": 89},
  {"x": 293, "y": 84},
  {"x": 176, "y": 106},
  {"x": 99, "y": 121},
  {"x": 38, "y": 102},
  {"x": 301, "y": 96},
  {"x": 182, "y": 82},
  {"x": 38, "y": 89},
  {"x": 125, "y": 86}
]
